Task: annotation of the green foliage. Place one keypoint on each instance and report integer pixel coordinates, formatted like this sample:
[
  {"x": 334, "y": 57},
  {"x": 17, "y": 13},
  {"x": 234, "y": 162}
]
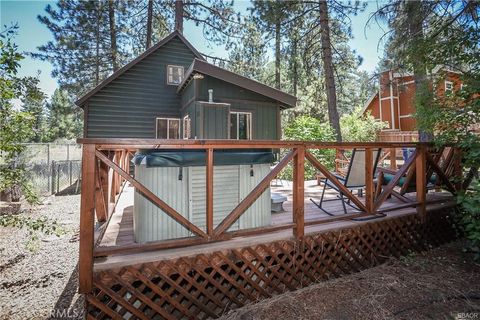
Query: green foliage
[
  {"x": 306, "y": 128},
  {"x": 360, "y": 129},
  {"x": 33, "y": 103},
  {"x": 248, "y": 54},
  {"x": 87, "y": 45},
  {"x": 34, "y": 226},
  {"x": 64, "y": 120},
  {"x": 452, "y": 41},
  {"x": 15, "y": 126},
  {"x": 469, "y": 218}
]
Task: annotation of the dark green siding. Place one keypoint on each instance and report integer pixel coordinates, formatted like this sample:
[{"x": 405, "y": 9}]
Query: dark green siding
[
  {"x": 265, "y": 111},
  {"x": 127, "y": 107},
  {"x": 188, "y": 93},
  {"x": 222, "y": 89},
  {"x": 215, "y": 120}
]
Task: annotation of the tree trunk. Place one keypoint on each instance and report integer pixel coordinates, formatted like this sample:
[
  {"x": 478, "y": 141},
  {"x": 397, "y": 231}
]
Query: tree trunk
[
  {"x": 179, "y": 15},
  {"x": 149, "y": 24},
  {"x": 113, "y": 34},
  {"x": 415, "y": 25},
  {"x": 277, "y": 53},
  {"x": 97, "y": 45},
  {"x": 295, "y": 64},
  {"x": 328, "y": 69}
]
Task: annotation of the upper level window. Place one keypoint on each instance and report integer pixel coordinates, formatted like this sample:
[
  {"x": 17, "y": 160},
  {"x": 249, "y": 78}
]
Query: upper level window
[
  {"x": 174, "y": 74},
  {"x": 448, "y": 87},
  {"x": 168, "y": 128},
  {"x": 241, "y": 125},
  {"x": 187, "y": 124}
]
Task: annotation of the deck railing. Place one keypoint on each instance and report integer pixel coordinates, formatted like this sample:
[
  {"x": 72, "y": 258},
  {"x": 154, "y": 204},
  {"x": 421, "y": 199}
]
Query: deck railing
[{"x": 106, "y": 168}]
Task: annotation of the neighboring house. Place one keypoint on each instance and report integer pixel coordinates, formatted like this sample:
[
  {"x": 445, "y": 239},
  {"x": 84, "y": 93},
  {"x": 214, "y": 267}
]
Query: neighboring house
[
  {"x": 171, "y": 92},
  {"x": 394, "y": 102}
]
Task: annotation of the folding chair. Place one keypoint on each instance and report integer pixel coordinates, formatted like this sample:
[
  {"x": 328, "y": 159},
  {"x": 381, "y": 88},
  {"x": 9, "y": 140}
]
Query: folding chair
[{"x": 353, "y": 180}]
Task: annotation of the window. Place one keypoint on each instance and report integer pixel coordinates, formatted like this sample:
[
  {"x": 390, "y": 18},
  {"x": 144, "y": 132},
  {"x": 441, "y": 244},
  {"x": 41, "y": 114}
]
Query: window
[
  {"x": 187, "y": 123},
  {"x": 174, "y": 75},
  {"x": 241, "y": 125},
  {"x": 448, "y": 87},
  {"x": 168, "y": 128}
]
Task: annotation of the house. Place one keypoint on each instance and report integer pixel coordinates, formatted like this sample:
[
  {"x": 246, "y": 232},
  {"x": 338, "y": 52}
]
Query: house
[
  {"x": 171, "y": 92},
  {"x": 394, "y": 101}
]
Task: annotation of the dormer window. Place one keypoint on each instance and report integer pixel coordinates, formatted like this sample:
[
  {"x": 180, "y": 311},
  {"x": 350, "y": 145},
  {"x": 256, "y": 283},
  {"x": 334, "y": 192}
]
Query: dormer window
[{"x": 174, "y": 75}]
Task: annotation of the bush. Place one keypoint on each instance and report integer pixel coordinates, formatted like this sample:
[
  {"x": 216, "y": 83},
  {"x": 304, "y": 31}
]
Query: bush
[
  {"x": 306, "y": 128},
  {"x": 360, "y": 129}
]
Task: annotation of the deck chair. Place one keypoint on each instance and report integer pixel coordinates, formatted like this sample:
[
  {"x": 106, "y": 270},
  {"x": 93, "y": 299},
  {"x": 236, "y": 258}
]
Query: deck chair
[
  {"x": 354, "y": 179},
  {"x": 444, "y": 160}
]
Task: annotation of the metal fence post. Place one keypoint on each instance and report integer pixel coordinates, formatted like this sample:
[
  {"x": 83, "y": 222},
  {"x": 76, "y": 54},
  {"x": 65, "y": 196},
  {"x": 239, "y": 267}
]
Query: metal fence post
[
  {"x": 70, "y": 172},
  {"x": 53, "y": 177}
]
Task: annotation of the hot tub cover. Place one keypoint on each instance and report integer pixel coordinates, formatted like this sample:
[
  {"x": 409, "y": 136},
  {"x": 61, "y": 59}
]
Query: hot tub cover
[{"x": 190, "y": 158}]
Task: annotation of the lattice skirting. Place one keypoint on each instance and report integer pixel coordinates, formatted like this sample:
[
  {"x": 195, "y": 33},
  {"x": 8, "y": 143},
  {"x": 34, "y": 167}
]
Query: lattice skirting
[{"x": 208, "y": 285}]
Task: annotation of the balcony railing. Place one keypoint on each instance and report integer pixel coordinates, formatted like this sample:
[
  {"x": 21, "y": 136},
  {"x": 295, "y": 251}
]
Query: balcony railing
[{"x": 106, "y": 167}]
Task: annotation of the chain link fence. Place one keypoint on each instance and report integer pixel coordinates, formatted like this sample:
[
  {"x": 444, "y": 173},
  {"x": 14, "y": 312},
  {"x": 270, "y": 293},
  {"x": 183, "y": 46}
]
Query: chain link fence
[{"x": 53, "y": 168}]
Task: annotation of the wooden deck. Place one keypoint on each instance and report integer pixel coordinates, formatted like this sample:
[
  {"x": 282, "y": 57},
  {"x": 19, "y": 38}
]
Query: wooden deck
[
  {"x": 119, "y": 231},
  {"x": 217, "y": 270}
]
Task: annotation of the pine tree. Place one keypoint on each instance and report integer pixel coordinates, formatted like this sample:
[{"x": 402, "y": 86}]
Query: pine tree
[
  {"x": 270, "y": 17},
  {"x": 87, "y": 44},
  {"x": 248, "y": 54},
  {"x": 64, "y": 117},
  {"x": 15, "y": 125},
  {"x": 33, "y": 103},
  {"x": 318, "y": 27}
]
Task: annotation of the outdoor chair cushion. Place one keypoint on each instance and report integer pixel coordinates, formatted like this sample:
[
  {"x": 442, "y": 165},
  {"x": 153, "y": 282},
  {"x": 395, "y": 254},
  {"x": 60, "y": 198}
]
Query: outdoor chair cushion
[{"x": 387, "y": 177}]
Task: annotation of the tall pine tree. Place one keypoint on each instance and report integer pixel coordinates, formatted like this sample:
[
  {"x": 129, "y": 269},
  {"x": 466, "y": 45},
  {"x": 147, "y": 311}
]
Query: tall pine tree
[{"x": 64, "y": 118}]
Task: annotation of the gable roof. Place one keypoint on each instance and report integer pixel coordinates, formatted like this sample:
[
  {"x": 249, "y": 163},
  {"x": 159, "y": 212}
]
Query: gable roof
[
  {"x": 202, "y": 66},
  {"x": 145, "y": 54},
  {"x": 367, "y": 104}
]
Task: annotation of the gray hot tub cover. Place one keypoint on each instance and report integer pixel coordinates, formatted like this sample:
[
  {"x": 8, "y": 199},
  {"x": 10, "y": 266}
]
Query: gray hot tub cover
[{"x": 189, "y": 158}]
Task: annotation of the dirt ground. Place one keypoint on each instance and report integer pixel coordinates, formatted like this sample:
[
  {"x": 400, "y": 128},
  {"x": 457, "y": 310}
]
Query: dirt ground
[
  {"x": 443, "y": 283},
  {"x": 39, "y": 281}
]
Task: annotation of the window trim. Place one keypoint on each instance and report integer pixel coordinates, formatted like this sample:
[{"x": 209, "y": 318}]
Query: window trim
[
  {"x": 174, "y": 66},
  {"x": 188, "y": 120},
  {"x": 448, "y": 83},
  {"x": 168, "y": 127},
  {"x": 250, "y": 131}
]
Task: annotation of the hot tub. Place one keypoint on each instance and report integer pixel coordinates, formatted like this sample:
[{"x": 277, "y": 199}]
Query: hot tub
[{"x": 178, "y": 178}]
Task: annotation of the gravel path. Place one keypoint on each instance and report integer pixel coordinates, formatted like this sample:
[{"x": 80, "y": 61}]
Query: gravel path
[{"x": 42, "y": 283}]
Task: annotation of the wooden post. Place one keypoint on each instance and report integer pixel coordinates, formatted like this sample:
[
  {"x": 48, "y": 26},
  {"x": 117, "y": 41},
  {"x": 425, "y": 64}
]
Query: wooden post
[
  {"x": 104, "y": 182},
  {"x": 100, "y": 204},
  {"x": 209, "y": 182},
  {"x": 369, "y": 180},
  {"x": 87, "y": 206},
  {"x": 421, "y": 181},
  {"x": 113, "y": 187},
  {"x": 298, "y": 193},
  {"x": 121, "y": 162},
  {"x": 393, "y": 158}
]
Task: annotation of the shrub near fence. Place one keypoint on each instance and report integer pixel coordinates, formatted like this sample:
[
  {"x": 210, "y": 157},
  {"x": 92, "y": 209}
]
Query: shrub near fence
[{"x": 52, "y": 167}]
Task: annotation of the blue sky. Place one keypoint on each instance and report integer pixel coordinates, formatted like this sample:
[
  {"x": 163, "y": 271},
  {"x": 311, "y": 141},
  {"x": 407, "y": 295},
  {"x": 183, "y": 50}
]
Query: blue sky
[{"x": 33, "y": 34}]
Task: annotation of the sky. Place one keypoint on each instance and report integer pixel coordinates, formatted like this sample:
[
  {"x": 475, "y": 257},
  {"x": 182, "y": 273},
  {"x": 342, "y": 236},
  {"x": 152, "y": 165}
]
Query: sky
[{"x": 33, "y": 34}]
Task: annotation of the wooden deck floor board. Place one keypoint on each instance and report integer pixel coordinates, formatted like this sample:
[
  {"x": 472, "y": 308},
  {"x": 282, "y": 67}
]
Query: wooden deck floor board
[{"x": 120, "y": 228}]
